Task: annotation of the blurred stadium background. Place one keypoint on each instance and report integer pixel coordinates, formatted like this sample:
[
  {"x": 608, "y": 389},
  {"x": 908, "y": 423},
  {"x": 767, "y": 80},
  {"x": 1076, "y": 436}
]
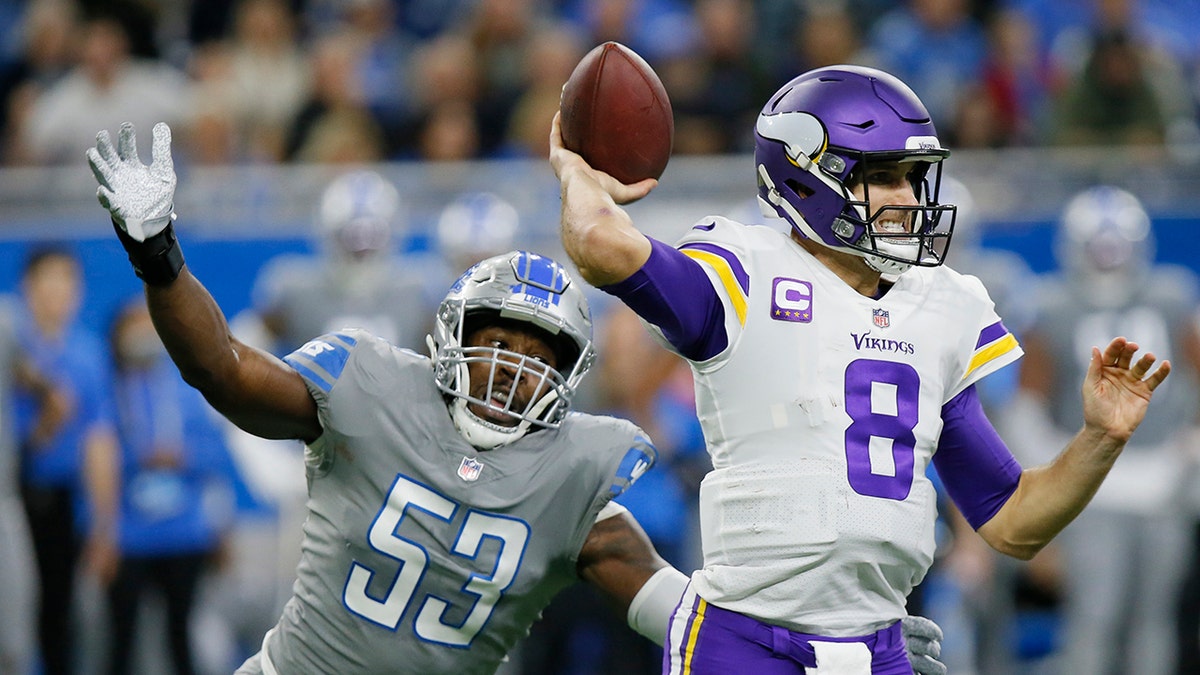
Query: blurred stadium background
[{"x": 234, "y": 219}]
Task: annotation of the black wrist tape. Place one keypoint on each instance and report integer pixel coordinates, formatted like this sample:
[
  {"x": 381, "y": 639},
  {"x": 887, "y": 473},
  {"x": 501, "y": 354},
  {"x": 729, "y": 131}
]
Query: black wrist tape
[{"x": 158, "y": 260}]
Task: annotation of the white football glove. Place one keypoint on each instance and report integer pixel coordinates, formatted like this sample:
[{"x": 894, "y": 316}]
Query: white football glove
[
  {"x": 923, "y": 640},
  {"x": 141, "y": 199}
]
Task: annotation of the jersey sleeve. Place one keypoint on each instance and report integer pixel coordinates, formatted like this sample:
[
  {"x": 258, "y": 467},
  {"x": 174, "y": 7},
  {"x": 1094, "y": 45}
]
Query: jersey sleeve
[
  {"x": 986, "y": 345},
  {"x": 975, "y": 465},
  {"x": 322, "y": 362},
  {"x": 607, "y": 456},
  {"x": 637, "y": 459},
  {"x": 693, "y": 297}
]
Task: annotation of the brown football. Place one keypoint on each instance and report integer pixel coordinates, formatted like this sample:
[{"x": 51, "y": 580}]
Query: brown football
[{"x": 616, "y": 114}]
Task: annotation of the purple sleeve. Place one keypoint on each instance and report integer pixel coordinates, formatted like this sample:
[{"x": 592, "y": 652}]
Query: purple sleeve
[
  {"x": 977, "y": 468},
  {"x": 672, "y": 292}
]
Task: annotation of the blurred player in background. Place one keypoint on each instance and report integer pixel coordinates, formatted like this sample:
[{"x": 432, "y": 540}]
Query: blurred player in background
[
  {"x": 18, "y": 572},
  {"x": 474, "y": 226},
  {"x": 1123, "y": 558},
  {"x": 831, "y": 365},
  {"x": 355, "y": 281},
  {"x": 450, "y": 497}
]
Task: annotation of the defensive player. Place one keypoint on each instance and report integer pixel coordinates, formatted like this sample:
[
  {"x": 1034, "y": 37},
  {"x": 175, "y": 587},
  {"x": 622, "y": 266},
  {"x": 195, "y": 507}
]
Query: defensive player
[
  {"x": 354, "y": 281},
  {"x": 450, "y": 497},
  {"x": 830, "y": 365},
  {"x": 1123, "y": 559},
  {"x": 18, "y": 571}
]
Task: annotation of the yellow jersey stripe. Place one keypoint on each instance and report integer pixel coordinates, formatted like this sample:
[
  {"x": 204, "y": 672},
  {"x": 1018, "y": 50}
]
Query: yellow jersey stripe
[
  {"x": 999, "y": 347},
  {"x": 721, "y": 267},
  {"x": 690, "y": 646}
]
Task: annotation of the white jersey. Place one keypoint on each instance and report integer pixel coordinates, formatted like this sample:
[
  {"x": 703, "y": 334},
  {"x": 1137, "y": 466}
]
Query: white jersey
[{"x": 821, "y": 416}]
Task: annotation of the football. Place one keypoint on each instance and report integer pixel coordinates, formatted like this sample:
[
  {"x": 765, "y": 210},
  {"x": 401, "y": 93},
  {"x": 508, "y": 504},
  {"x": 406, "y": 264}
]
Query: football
[{"x": 616, "y": 114}]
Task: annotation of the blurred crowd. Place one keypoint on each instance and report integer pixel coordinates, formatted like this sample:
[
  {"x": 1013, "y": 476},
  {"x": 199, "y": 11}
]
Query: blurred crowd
[{"x": 266, "y": 81}]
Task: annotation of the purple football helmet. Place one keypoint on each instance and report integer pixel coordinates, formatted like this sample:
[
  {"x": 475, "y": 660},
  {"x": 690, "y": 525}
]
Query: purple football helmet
[{"x": 813, "y": 142}]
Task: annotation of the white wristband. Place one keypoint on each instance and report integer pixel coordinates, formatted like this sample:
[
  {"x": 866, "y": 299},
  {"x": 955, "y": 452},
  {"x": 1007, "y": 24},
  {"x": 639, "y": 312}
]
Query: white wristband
[{"x": 655, "y": 602}]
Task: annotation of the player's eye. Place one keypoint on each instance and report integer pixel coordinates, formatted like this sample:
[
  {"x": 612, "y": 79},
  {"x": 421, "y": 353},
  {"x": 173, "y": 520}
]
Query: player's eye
[{"x": 880, "y": 177}]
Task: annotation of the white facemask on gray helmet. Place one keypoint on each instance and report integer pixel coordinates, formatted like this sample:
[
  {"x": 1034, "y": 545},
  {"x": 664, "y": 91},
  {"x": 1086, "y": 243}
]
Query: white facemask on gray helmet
[{"x": 516, "y": 286}]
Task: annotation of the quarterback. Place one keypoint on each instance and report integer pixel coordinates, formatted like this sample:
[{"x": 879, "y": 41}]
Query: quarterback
[{"x": 833, "y": 364}]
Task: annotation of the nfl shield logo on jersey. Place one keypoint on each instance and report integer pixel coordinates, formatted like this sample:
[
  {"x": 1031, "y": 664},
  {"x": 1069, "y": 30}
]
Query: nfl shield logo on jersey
[
  {"x": 469, "y": 469},
  {"x": 881, "y": 317}
]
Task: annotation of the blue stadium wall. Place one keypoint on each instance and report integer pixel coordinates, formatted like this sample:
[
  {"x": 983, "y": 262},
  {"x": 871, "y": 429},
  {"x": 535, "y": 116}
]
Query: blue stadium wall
[{"x": 228, "y": 267}]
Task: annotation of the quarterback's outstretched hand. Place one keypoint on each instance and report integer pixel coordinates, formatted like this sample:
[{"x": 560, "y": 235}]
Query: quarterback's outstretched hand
[
  {"x": 923, "y": 640},
  {"x": 1117, "y": 390},
  {"x": 139, "y": 197}
]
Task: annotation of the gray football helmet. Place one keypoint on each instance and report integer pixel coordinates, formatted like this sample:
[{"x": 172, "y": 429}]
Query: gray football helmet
[
  {"x": 358, "y": 215},
  {"x": 1105, "y": 244},
  {"x": 476, "y": 225},
  {"x": 516, "y": 286}
]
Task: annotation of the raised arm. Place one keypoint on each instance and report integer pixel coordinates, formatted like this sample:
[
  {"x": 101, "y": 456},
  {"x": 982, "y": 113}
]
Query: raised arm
[
  {"x": 1116, "y": 392},
  {"x": 597, "y": 233},
  {"x": 255, "y": 390}
]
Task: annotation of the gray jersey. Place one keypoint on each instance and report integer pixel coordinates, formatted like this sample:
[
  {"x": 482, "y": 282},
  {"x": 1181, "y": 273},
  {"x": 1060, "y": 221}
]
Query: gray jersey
[
  {"x": 422, "y": 554},
  {"x": 18, "y": 576},
  {"x": 9, "y": 350},
  {"x": 1156, "y": 317},
  {"x": 307, "y": 296}
]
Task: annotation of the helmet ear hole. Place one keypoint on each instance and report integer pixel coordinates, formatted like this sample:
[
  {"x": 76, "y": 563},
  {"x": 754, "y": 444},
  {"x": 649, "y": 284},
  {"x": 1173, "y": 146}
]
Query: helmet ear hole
[
  {"x": 802, "y": 190},
  {"x": 565, "y": 350}
]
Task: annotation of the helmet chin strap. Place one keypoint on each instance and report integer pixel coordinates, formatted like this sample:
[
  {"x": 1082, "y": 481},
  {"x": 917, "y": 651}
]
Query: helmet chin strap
[{"x": 481, "y": 434}]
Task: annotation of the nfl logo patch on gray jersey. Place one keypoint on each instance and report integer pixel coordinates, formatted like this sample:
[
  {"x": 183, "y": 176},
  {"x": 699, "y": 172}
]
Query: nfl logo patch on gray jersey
[
  {"x": 469, "y": 469},
  {"x": 881, "y": 318}
]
